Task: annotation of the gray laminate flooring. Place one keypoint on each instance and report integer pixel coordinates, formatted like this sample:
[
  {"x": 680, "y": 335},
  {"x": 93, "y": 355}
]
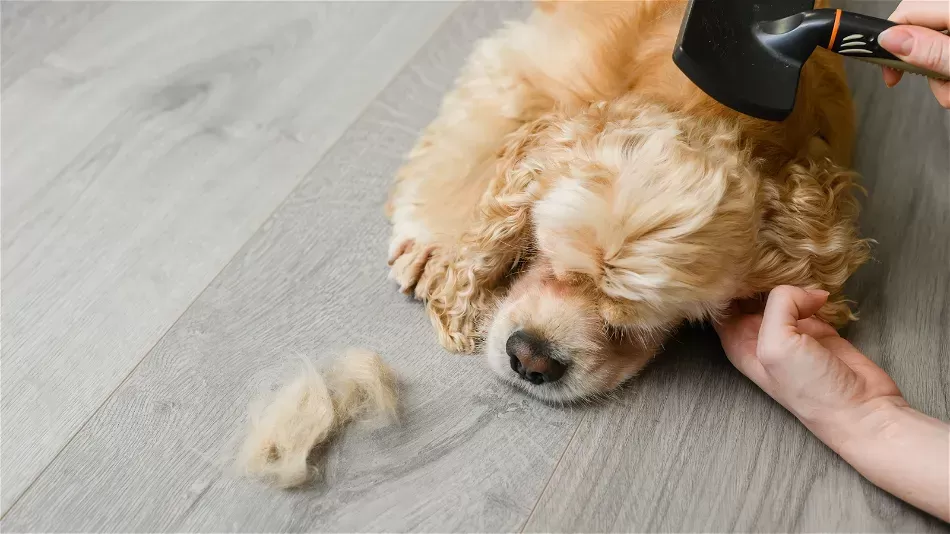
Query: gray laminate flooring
[{"x": 191, "y": 196}]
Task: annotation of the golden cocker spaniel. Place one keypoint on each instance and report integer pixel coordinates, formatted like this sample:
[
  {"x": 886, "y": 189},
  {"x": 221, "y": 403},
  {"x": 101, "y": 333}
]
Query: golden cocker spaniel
[{"x": 577, "y": 198}]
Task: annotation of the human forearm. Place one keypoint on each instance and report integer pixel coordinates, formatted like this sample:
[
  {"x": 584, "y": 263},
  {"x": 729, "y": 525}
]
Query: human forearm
[
  {"x": 844, "y": 398},
  {"x": 899, "y": 450}
]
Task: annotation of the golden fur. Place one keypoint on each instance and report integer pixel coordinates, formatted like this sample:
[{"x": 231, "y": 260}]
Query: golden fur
[
  {"x": 573, "y": 150},
  {"x": 307, "y": 412}
]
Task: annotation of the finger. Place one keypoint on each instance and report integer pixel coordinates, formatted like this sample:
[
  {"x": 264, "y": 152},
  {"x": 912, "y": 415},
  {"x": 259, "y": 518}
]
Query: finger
[
  {"x": 739, "y": 338},
  {"x": 846, "y": 352},
  {"x": 785, "y": 307},
  {"x": 724, "y": 328},
  {"x": 941, "y": 90},
  {"x": 816, "y": 328},
  {"x": 779, "y": 337},
  {"x": 737, "y": 330},
  {"x": 727, "y": 321},
  {"x": 892, "y": 76},
  {"x": 918, "y": 46},
  {"x": 932, "y": 14}
]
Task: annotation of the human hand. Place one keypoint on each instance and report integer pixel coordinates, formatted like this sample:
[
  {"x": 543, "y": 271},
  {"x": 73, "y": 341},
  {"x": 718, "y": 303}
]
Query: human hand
[
  {"x": 802, "y": 363},
  {"x": 846, "y": 400},
  {"x": 919, "y": 42}
]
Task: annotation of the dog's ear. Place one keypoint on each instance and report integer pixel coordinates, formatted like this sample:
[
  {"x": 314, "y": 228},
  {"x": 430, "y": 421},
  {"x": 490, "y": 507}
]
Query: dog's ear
[
  {"x": 459, "y": 286},
  {"x": 808, "y": 234}
]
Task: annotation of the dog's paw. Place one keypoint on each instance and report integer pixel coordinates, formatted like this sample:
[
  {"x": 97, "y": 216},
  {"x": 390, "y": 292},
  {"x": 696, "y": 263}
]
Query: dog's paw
[
  {"x": 455, "y": 338},
  {"x": 455, "y": 299},
  {"x": 407, "y": 262}
]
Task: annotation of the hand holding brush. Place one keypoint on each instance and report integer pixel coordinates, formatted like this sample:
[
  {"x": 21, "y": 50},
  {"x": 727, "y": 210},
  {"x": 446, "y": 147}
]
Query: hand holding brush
[{"x": 921, "y": 40}]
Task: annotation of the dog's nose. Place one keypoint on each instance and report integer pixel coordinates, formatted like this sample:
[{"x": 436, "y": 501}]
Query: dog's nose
[{"x": 530, "y": 358}]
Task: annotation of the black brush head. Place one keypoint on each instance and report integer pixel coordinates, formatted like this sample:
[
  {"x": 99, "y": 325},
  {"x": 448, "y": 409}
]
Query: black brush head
[{"x": 719, "y": 51}]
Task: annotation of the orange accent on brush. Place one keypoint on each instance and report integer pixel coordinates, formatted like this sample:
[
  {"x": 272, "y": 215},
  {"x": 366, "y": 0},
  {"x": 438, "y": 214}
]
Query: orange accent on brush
[{"x": 834, "y": 31}]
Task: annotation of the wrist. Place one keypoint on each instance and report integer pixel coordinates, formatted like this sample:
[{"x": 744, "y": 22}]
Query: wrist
[
  {"x": 898, "y": 449},
  {"x": 848, "y": 432}
]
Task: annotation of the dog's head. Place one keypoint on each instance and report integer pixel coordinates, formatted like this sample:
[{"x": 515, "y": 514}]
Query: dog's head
[
  {"x": 644, "y": 224},
  {"x": 647, "y": 219}
]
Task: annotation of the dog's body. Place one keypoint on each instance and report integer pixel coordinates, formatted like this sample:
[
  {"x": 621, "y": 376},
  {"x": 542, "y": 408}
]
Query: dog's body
[{"x": 574, "y": 149}]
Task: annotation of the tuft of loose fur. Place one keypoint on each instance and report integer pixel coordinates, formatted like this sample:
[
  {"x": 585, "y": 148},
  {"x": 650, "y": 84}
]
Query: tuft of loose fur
[
  {"x": 363, "y": 387},
  {"x": 310, "y": 411}
]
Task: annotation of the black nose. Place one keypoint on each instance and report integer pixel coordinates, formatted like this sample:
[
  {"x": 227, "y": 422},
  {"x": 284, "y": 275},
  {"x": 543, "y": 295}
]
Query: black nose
[{"x": 530, "y": 357}]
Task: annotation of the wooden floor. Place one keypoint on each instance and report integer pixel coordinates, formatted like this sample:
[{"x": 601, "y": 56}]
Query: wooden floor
[{"x": 191, "y": 196}]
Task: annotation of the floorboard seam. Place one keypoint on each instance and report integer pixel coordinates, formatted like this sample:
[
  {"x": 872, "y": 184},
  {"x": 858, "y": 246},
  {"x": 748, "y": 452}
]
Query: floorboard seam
[
  {"x": 551, "y": 476},
  {"x": 250, "y": 238}
]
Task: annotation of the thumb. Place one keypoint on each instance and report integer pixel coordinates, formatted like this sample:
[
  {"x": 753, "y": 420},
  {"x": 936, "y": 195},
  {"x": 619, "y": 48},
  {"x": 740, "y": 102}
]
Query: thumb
[
  {"x": 785, "y": 307},
  {"x": 788, "y": 355},
  {"x": 918, "y": 46}
]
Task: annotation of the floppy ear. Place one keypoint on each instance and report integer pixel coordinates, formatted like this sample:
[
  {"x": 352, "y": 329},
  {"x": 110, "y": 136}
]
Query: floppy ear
[
  {"x": 809, "y": 231},
  {"x": 459, "y": 285}
]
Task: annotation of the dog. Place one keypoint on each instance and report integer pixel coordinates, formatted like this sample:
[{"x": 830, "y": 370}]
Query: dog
[{"x": 578, "y": 198}]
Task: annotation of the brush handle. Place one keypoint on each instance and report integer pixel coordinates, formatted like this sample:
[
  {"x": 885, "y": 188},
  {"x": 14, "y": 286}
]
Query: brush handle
[{"x": 856, "y": 35}]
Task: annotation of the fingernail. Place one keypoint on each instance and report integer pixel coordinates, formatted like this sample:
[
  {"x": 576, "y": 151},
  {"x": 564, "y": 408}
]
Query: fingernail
[
  {"x": 818, "y": 292},
  {"x": 888, "y": 76},
  {"x": 897, "y": 41}
]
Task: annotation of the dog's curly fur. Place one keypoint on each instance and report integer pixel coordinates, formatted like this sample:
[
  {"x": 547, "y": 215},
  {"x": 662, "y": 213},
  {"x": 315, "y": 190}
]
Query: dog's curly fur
[{"x": 574, "y": 163}]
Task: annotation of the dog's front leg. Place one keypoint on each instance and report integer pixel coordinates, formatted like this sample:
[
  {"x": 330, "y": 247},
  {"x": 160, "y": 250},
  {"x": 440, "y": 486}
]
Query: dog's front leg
[
  {"x": 459, "y": 283},
  {"x": 436, "y": 206}
]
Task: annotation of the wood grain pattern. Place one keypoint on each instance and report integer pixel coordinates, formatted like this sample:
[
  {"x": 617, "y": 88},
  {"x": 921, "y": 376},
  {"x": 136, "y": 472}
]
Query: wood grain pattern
[
  {"x": 469, "y": 455},
  {"x": 138, "y": 158},
  {"x": 903, "y": 154},
  {"x": 31, "y": 30},
  {"x": 695, "y": 447}
]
